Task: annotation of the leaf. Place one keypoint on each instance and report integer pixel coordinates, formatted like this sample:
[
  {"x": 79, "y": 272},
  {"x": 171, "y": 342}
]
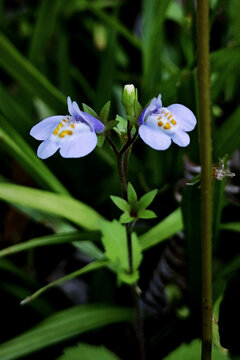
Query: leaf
[
  {"x": 87, "y": 352},
  {"x": 87, "y": 109},
  {"x": 115, "y": 244},
  {"x": 147, "y": 199},
  {"x": 61, "y": 205},
  {"x": 101, "y": 139},
  {"x": 226, "y": 141},
  {"x": 120, "y": 203},
  {"x": 126, "y": 218},
  {"x": 121, "y": 127},
  {"x": 22, "y": 153},
  {"x": 87, "y": 268},
  {"x": 146, "y": 214},
  {"x": 105, "y": 112},
  {"x": 61, "y": 326},
  {"x": 192, "y": 351},
  {"x": 163, "y": 230},
  {"x": 132, "y": 196},
  {"x": 28, "y": 76},
  {"x": 234, "y": 226},
  {"x": 48, "y": 240},
  {"x": 47, "y": 16}
]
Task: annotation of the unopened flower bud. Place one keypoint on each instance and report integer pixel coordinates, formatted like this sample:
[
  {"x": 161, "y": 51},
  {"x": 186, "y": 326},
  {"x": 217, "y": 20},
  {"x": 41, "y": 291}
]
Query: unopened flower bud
[{"x": 129, "y": 98}]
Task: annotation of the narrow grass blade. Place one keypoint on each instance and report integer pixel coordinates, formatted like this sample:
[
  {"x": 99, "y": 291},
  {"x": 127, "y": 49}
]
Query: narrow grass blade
[
  {"x": 61, "y": 326},
  {"x": 28, "y": 76},
  {"x": 88, "y": 268},
  {"x": 49, "y": 240},
  {"x": 160, "y": 232},
  {"x": 60, "y": 205}
]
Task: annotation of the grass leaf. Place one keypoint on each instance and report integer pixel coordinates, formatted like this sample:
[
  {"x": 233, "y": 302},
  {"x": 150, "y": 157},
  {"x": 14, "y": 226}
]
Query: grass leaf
[
  {"x": 61, "y": 326},
  {"x": 61, "y": 205}
]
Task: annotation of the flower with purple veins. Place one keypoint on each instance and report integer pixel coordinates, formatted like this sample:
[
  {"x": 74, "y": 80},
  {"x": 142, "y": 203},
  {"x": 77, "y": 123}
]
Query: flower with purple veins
[
  {"x": 159, "y": 125},
  {"x": 74, "y": 134}
]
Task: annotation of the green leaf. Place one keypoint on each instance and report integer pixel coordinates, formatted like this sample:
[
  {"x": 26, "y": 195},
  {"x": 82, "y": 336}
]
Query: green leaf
[
  {"x": 49, "y": 240},
  {"x": 147, "y": 199},
  {"x": 115, "y": 244},
  {"x": 88, "y": 268},
  {"x": 12, "y": 142},
  {"x": 110, "y": 125},
  {"x": 226, "y": 141},
  {"x": 121, "y": 127},
  {"x": 146, "y": 214},
  {"x": 87, "y": 109},
  {"x": 61, "y": 205},
  {"x": 162, "y": 231},
  {"x": 28, "y": 76},
  {"x": 47, "y": 17},
  {"x": 126, "y": 218},
  {"x": 234, "y": 226},
  {"x": 105, "y": 112},
  {"x": 132, "y": 196},
  {"x": 120, "y": 203},
  {"x": 62, "y": 326},
  {"x": 192, "y": 351},
  {"x": 101, "y": 139},
  {"x": 87, "y": 352},
  {"x": 215, "y": 328}
]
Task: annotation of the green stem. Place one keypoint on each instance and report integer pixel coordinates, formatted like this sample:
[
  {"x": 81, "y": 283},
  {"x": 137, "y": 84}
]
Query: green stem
[
  {"x": 206, "y": 176},
  {"x": 122, "y": 165}
]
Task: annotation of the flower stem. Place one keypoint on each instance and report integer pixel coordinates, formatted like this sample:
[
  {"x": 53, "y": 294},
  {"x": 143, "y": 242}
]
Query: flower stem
[
  {"x": 122, "y": 165},
  {"x": 206, "y": 176}
]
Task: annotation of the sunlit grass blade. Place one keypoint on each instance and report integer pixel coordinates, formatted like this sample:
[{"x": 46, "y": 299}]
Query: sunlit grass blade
[
  {"x": 14, "y": 144},
  {"x": 16, "y": 65},
  {"x": 60, "y": 205},
  {"x": 49, "y": 240},
  {"x": 63, "y": 325},
  {"x": 88, "y": 268},
  {"x": 160, "y": 232}
]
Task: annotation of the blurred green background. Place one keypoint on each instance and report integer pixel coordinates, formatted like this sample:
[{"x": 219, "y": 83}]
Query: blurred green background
[{"x": 89, "y": 50}]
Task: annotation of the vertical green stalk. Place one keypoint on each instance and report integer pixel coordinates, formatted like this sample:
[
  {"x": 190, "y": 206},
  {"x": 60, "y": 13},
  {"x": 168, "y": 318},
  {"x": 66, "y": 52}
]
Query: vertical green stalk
[{"x": 206, "y": 176}]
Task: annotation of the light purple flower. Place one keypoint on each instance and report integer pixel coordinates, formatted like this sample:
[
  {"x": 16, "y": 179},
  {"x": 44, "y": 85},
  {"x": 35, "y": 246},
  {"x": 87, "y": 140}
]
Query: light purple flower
[
  {"x": 160, "y": 125},
  {"x": 74, "y": 134}
]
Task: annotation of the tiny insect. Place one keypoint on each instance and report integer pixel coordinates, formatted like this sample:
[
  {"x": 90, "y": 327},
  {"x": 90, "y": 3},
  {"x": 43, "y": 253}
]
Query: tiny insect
[{"x": 219, "y": 172}]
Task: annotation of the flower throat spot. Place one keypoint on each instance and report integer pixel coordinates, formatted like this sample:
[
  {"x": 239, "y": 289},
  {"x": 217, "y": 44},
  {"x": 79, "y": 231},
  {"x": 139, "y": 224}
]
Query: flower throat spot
[
  {"x": 56, "y": 131},
  {"x": 167, "y": 126},
  {"x": 64, "y": 133}
]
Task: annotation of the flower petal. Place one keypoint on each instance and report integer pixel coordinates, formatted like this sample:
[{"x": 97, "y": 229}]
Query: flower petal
[
  {"x": 184, "y": 116},
  {"x": 142, "y": 116},
  {"x": 153, "y": 107},
  {"x": 42, "y": 130},
  {"x": 47, "y": 148},
  {"x": 70, "y": 106},
  {"x": 156, "y": 139},
  {"x": 95, "y": 124},
  {"x": 181, "y": 138},
  {"x": 80, "y": 145}
]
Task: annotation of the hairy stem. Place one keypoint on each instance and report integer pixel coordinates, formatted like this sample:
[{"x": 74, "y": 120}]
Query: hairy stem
[{"x": 206, "y": 176}]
